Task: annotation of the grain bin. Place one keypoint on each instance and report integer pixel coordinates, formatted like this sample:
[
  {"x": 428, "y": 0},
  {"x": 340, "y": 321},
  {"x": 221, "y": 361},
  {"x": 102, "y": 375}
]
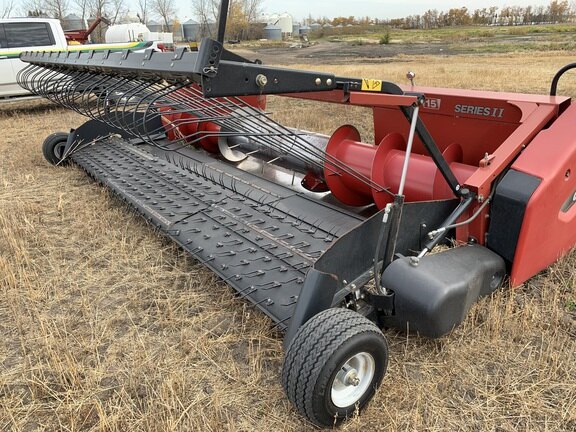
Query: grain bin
[
  {"x": 73, "y": 22},
  {"x": 154, "y": 26},
  {"x": 272, "y": 32},
  {"x": 285, "y": 22},
  {"x": 190, "y": 30}
]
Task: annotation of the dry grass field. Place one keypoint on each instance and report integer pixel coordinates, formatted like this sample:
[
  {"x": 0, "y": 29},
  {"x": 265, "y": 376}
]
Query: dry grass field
[{"x": 106, "y": 326}]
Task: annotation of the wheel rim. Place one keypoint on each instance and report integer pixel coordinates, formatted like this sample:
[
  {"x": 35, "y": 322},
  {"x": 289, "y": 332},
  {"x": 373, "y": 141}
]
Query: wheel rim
[
  {"x": 353, "y": 380},
  {"x": 59, "y": 150}
]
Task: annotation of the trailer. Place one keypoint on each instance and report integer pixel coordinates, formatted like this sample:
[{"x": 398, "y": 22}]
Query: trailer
[{"x": 333, "y": 238}]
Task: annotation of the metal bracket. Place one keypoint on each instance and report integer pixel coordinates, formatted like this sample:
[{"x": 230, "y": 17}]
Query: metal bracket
[
  {"x": 208, "y": 60},
  {"x": 434, "y": 152}
]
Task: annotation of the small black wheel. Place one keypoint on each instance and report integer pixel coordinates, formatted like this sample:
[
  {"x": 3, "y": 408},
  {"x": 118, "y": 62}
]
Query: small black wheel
[
  {"x": 53, "y": 148},
  {"x": 333, "y": 365}
]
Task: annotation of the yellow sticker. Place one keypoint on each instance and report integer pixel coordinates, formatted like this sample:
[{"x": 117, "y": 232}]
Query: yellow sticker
[{"x": 371, "y": 85}]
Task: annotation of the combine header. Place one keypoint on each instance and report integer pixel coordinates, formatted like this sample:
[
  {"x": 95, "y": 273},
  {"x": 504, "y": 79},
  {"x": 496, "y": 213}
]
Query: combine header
[{"x": 330, "y": 236}]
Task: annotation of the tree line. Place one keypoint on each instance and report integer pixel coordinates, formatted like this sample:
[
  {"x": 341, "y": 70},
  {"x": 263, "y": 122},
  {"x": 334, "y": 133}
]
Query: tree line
[
  {"x": 116, "y": 11},
  {"x": 242, "y": 16},
  {"x": 558, "y": 11}
]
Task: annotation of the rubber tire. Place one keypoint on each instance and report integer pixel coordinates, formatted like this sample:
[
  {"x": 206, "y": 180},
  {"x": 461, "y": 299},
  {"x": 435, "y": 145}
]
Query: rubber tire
[
  {"x": 52, "y": 148},
  {"x": 318, "y": 351}
]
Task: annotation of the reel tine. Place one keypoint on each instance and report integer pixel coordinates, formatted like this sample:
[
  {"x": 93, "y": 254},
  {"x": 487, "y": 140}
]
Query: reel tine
[{"x": 128, "y": 101}]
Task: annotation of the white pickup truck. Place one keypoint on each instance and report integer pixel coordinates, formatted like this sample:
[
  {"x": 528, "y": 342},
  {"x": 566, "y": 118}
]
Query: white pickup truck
[{"x": 38, "y": 34}]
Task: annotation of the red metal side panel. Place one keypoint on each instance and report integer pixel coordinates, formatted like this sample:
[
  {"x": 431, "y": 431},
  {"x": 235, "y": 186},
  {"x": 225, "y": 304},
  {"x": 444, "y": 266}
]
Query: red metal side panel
[
  {"x": 476, "y": 136},
  {"x": 549, "y": 227}
]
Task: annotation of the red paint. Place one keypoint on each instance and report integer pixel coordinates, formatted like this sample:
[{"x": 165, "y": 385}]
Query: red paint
[
  {"x": 186, "y": 126},
  {"x": 383, "y": 165},
  {"x": 547, "y": 232}
]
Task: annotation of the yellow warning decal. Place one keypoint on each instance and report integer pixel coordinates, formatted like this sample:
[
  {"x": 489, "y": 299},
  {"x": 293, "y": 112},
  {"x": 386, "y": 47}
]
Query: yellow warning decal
[{"x": 371, "y": 85}]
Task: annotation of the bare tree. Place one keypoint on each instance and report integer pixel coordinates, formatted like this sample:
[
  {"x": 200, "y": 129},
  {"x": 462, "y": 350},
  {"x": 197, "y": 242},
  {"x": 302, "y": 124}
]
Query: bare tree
[
  {"x": 98, "y": 7},
  {"x": 206, "y": 11},
  {"x": 94, "y": 9},
  {"x": 242, "y": 14},
  {"x": 202, "y": 9},
  {"x": 117, "y": 11},
  {"x": 252, "y": 10},
  {"x": 142, "y": 11},
  {"x": 166, "y": 9},
  {"x": 56, "y": 8},
  {"x": 83, "y": 8},
  {"x": 6, "y": 8},
  {"x": 539, "y": 14},
  {"x": 430, "y": 19},
  {"x": 32, "y": 7},
  {"x": 199, "y": 10}
]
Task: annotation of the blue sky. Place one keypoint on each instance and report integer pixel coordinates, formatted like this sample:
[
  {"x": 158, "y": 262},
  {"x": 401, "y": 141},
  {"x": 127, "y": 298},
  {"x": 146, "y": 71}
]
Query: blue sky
[{"x": 375, "y": 8}]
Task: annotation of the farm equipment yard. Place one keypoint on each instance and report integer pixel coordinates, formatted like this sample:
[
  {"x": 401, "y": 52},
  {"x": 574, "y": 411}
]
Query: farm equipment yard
[{"x": 110, "y": 326}]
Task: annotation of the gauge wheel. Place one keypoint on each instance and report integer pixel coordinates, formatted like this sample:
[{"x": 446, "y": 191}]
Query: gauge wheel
[
  {"x": 334, "y": 365},
  {"x": 53, "y": 148}
]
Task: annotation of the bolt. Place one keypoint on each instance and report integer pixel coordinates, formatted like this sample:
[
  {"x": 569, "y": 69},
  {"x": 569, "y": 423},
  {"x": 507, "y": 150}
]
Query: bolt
[
  {"x": 318, "y": 81},
  {"x": 329, "y": 82},
  {"x": 414, "y": 261},
  {"x": 352, "y": 379},
  {"x": 261, "y": 80}
]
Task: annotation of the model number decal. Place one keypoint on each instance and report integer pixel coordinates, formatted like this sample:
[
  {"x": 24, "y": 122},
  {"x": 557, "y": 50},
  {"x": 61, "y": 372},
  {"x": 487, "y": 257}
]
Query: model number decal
[
  {"x": 432, "y": 104},
  {"x": 479, "y": 111}
]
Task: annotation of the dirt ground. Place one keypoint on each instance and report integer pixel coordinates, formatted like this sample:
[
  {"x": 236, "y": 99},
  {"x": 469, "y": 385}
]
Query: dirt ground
[
  {"x": 341, "y": 53},
  {"x": 362, "y": 52},
  {"x": 106, "y": 326},
  {"x": 334, "y": 53}
]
